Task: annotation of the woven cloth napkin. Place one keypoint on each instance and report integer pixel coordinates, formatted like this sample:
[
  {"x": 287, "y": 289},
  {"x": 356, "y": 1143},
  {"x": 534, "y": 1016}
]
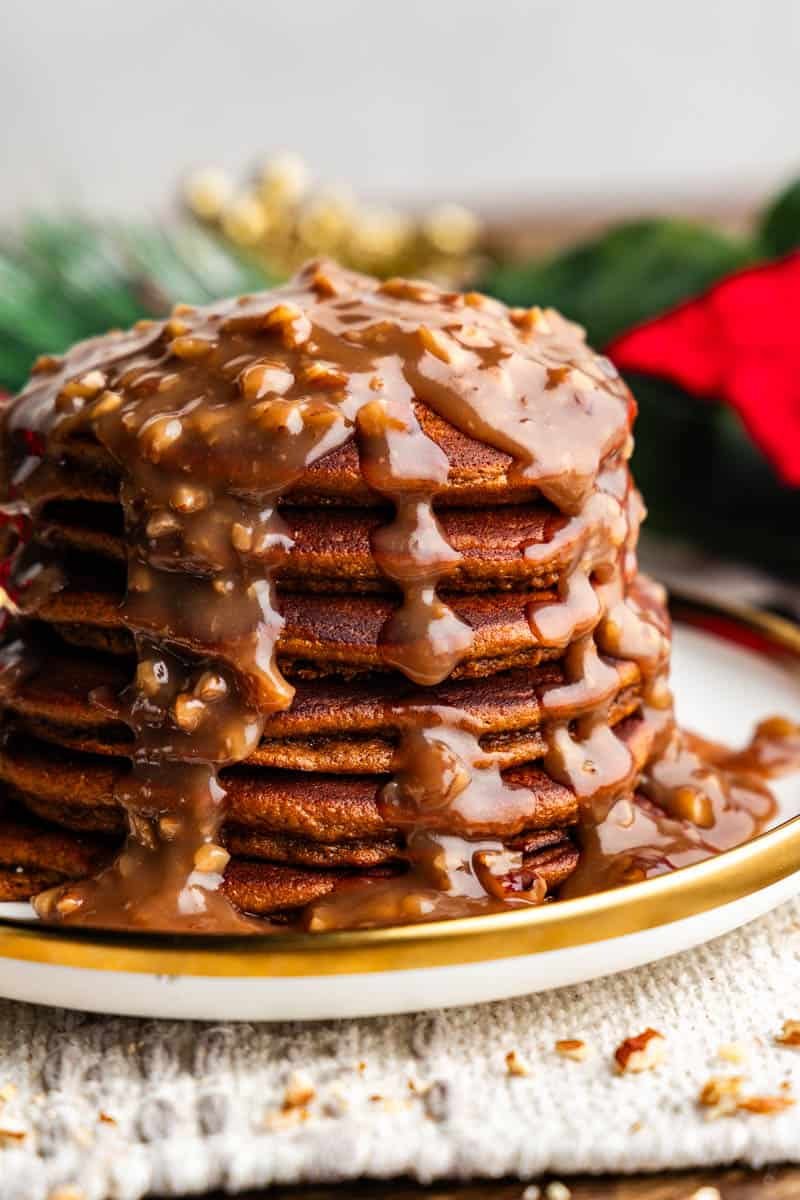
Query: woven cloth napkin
[{"x": 122, "y": 1108}]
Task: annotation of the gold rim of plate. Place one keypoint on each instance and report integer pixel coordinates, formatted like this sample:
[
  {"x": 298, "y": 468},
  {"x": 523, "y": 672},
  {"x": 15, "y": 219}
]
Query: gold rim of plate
[{"x": 733, "y": 875}]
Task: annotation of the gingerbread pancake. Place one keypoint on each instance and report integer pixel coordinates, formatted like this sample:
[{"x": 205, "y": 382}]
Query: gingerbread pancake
[{"x": 326, "y": 608}]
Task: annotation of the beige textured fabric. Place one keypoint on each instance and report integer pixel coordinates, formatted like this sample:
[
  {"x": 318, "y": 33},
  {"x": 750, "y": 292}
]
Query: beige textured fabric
[{"x": 122, "y": 1108}]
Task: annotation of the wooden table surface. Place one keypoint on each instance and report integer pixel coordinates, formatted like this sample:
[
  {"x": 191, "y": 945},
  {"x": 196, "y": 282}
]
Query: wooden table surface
[{"x": 781, "y": 1183}]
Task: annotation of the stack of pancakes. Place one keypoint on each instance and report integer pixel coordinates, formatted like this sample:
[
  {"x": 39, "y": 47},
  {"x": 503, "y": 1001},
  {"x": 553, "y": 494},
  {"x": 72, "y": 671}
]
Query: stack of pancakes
[{"x": 306, "y": 815}]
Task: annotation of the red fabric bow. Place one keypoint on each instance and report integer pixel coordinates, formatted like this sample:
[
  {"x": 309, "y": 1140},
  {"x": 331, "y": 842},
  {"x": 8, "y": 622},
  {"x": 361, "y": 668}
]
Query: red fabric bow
[{"x": 739, "y": 343}]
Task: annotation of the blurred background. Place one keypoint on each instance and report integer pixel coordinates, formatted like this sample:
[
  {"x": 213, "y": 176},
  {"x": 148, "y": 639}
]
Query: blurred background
[
  {"x": 506, "y": 104},
  {"x": 616, "y": 160}
]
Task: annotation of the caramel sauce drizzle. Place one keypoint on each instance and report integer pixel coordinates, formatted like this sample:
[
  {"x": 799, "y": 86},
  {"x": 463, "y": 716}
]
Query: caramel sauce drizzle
[{"x": 274, "y": 383}]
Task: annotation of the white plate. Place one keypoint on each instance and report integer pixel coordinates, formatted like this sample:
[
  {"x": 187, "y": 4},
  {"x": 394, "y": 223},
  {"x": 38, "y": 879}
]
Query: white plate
[{"x": 722, "y": 689}]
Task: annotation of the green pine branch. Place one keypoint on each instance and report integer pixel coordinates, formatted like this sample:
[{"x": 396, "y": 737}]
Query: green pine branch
[{"x": 65, "y": 279}]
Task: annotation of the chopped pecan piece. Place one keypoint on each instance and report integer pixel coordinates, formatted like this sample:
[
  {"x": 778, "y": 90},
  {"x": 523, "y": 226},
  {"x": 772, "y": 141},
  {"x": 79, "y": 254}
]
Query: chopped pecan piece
[{"x": 644, "y": 1052}]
